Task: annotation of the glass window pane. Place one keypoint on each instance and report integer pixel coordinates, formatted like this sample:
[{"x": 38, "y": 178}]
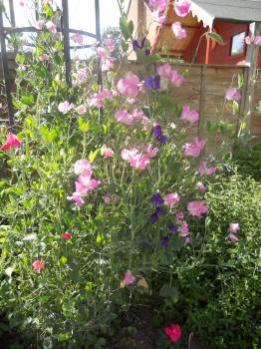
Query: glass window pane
[{"x": 238, "y": 44}]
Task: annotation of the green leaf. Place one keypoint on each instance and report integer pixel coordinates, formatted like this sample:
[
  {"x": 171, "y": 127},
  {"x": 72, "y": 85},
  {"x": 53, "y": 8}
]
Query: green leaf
[
  {"x": 84, "y": 125},
  {"x": 167, "y": 291},
  {"x": 216, "y": 37},
  {"x": 93, "y": 155},
  {"x": 28, "y": 100}
]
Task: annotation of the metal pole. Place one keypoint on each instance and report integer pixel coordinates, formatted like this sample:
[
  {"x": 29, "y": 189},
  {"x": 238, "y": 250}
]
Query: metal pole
[
  {"x": 6, "y": 73},
  {"x": 98, "y": 36},
  {"x": 66, "y": 40},
  {"x": 12, "y": 13}
]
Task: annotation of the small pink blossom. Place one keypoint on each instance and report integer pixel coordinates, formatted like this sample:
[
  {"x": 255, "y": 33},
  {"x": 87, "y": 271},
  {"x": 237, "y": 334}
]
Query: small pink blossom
[
  {"x": 83, "y": 167},
  {"x": 151, "y": 151},
  {"x": 257, "y": 40},
  {"x": 66, "y": 236},
  {"x": 184, "y": 229},
  {"x": 201, "y": 187},
  {"x": 40, "y": 24},
  {"x": 65, "y": 107},
  {"x": 159, "y": 17},
  {"x": 203, "y": 169},
  {"x": 174, "y": 332},
  {"x": 109, "y": 44},
  {"x": 165, "y": 70},
  {"x": 182, "y": 7},
  {"x": 106, "y": 152},
  {"x": 129, "y": 86},
  {"x": 197, "y": 208},
  {"x": 124, "y": 117},
  {"x": 176, "y": 78},
  {"x": 136, "y": 160},
  {"x": 51, "y": 27},
  {"x": 234, "y": 228},
  {"x": 76, "y": 199},
  {"x": 12, "y": 141},
  {"x": 249, "y": 39},
  {"x": 102, "y": 53},
  {"x": 233, "y": 94},
  {"x": 158, "y": 5},
  {"x": 78, "y": 38},
  {"x": 189, "y": 115},
  {"x": 98, "y": 99},
  {"x": 39, "y": 265},
  {"x": 44, "y": 57},
  {"x": 111, "y": 199},
  {"x": 194, "y": 149},
  {"x": 108, "y": 63},
  {"x": 81, "y": 109},
  {"x": 129, "y": 278},
  {"x": 179, "y": 216},
  {"x": 171, "y": 199},
  {"x": 179, "y": 32},
  {"x": 89, "y": 183},
  {"x": 80, "y": 76},
  {"x": 233, "y": 238},
  {"x": 80, "y": 188}
]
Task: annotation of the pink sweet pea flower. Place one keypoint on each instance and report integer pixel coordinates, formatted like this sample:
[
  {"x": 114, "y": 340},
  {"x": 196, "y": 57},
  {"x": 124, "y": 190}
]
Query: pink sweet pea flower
[
  {"x": 233, "y": 94},
  {"x": 136, "y": 160},
  {"x": 174, "y": 332},
  {"x": 249, "y": 39},
  {"x": 40, "y": 24},
  {"x": 12, "y": 141},
  {"x": 81, "y": 109},
  {"x": 194, "y": 149},
  {"x": 203, "y": 169},
  {"x": 88, "y": 183},
  {"x": 66, "y": 236},
  {"x": 233, "y": 238},
  {"x": 44, "y": 57},
  {"x": 80, "y": 76},
  {"x": 83, "y": 166},
  {"x": 158, "y": 5},
  {"x": 78, "y": 38},
  {"x": 257, "y": 40},
  {"x": 189, "y": 115},
  {"x": 39, "y": 265},
  {"x": 129, "y": 278},
  {"x": 106, "y": 152},
  {"x": 102, "y": 53},
  {"x": 151, "y": 151},
  {"x": 124, "y": 117},
  {"x": 179, "y": 32},
  {"x": 129, "y": 86},
  {"x": 234, "y": 228},
  {"x": 80, "y": 188},
  {"x": 165, "y": 70},
  {"x": 176, "y": 78},
  {"x": 51, "y": 27},
  {"x": 65, "y": 107},
  {"x": 201, "y": 187},
  {"x": 197, "y": 208},
  {"x": 184, "y": 229},
  {"x": 171, "y": 199},
  {"x": 182, "y": 7},
  {"x": 98, "y": 99},
  {"x": 179, "y": 217},
  {"x": 159, "y": 17},
  {"x": 109, "y": 44},
  {"x": 76, "y": 199}
]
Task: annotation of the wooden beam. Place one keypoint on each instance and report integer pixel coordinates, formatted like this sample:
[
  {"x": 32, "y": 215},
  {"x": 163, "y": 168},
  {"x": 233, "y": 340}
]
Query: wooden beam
[
  {"x": 207, "y": 57},
  {"x": 247, "y": 103}
]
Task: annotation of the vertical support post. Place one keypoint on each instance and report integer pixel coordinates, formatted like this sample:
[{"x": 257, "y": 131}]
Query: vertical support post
[
  {"x": 66, "y": 40},
  {"x": 6, "y": 72},
  {"x": 207, "y": 58},
  {"x": 98, "y": 35},
  {"x": 202, "y": 98},
  {"x": 12, "y": 13},
  {"x": 249, "y": 93}
]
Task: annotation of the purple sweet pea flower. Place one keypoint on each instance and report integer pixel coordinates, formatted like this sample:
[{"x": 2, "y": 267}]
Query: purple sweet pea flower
[
  {"x": 136, "y": 45},
  {"x": 157, "y": 133},
  {"x": 160, "y": 211},
  {"x": 164, "y": 241},
  {"x": 173, "y": 229},
  {"x": 153, "y": 83},
  {"x": 157, "y": 200},
  {"x": 156, "y": 215}
]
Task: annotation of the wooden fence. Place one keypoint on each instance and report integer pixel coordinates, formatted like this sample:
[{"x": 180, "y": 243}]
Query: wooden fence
[{"x": 204, "y": 90}]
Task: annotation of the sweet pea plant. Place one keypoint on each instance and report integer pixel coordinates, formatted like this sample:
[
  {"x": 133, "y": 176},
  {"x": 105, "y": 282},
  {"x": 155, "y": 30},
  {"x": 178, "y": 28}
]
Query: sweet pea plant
[{"x": 102, "y": 199}]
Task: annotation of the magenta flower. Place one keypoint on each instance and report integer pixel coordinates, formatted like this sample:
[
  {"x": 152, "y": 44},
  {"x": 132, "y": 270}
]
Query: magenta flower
[
  {"x": 197, "y": 208},
  {"x": 12, "y": 141},
  {"x": 51, "y": 27},
  {"x": 66, "y": 236},
  {"x": 203, "y": 169},
  {"x": 136, "y": 159},
  {"x": 182, "y": 7},
  {"x": 165, "y": 70},
  {"x": 189, "y": 115},
  {"x": 129, "y": 86},
  {"x": 98, "y": 99},
  {"x": 129, "y": 278},
  {"x": 184, "y": 229},
  {"x": 78, "y": 38},
  {"x": 124, "y": 117},
  {"x": 194, "y": 149},
  {"x": 159, "y": 17},
  {"x": 158, "y": 5},
  {"x": 39, "y": 265},
  {"x": 233, "y": 94},
  {"x": 234, "y": 228},
  {"x": 76, "y": 199},
  {"x": 174, "y": 332},
  {"x": 83, "y": 167},
  {"x": 201, "y": 187},
  {"x": 151, "y": 151},
  {"x": 65, "y": 107},
  {"x": 109, "y": 44},
  {"x": 80, "y": 76},
  {"x": 106, "y": 152},
  {"x": 176, "y": 78},
  {"x": 171, "y": 199},
  {"x": 179, "y": 216},
  {"x": 179, "y": 32},
  {"x": 233, "y": 238}
]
